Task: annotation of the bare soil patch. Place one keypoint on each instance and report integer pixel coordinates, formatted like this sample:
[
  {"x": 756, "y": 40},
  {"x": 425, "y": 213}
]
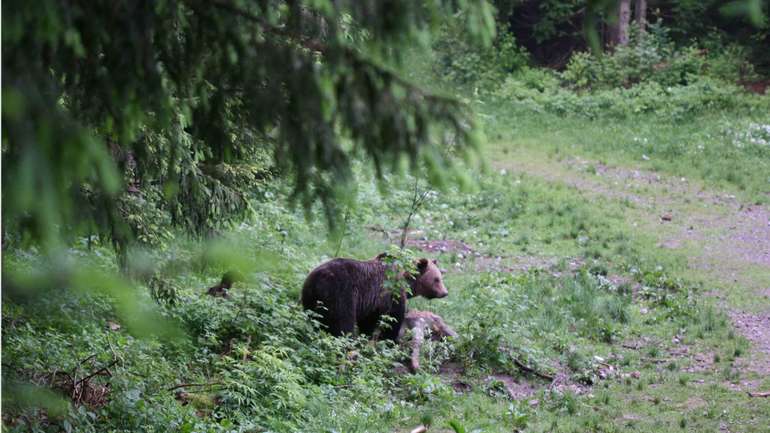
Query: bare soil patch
[
  {"x": 452, "y": 373},
  {"x": 694, "y": 403},
  {"x": 695, "y": 361},
  {"x": 756, "y": 328},
  {"x": 466, "y": 253},
  {"x": 516, "y": 388},
  {"x": 441, "y": 246}
]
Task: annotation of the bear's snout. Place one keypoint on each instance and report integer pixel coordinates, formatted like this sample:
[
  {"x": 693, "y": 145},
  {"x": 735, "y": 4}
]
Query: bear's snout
[{"x": 441, "y": 293}]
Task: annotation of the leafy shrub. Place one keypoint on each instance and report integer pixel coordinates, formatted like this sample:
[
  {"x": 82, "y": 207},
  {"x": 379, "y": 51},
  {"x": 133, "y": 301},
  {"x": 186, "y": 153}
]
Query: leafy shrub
[
  {"x": 633, "y": 64},
  {"x": 699, "y": 96},
  {"x": 423, "y": 387},
  {"x": 730, "y": 63},
  {"x": 653, "y": 57},
  {"x": 462, "y": 61}
]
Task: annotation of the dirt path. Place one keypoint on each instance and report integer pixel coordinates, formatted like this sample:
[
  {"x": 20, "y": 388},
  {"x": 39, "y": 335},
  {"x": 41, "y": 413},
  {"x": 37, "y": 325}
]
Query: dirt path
[{"x": 726, "y": 242}]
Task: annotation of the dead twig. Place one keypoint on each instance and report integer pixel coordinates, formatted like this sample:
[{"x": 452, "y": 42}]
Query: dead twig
[
  {"x": 101, "y": 371},
  {"x": 420, "y": 429},
  {"x": 345, "y": 232},
  {"x": 759, "y": 394},
  {"x": 418, "y": 199},
  {"x": 86, "y": 359}
]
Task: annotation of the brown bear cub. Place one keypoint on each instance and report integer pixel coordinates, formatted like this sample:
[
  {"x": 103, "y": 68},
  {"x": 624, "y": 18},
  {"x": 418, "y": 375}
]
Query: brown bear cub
[
  {"x": 424, "y": 324},
  {"x": 347, "y": 293}
]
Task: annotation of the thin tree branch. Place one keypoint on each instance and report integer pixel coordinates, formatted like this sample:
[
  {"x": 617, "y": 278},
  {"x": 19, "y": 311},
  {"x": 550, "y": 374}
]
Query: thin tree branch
[
  {"x": 97, "y": 372},
  {"x": 418, "y": 199}
]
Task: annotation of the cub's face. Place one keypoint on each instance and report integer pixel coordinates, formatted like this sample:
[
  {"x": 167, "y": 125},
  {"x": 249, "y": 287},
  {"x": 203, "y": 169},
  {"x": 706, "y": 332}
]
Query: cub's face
[{"x": 429, "y": 282}]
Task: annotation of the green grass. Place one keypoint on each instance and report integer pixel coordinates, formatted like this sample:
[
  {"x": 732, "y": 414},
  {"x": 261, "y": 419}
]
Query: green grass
[
  {"x": 269, "y": 368},
  {"x": 600, "y": 293},
  {"x": 722, "y": 150}
]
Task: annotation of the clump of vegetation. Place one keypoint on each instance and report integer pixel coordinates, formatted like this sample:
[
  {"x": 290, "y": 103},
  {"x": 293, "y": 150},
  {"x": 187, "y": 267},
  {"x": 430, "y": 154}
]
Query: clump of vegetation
[
  {"x": 653, "y": 57},
  {"x": 468, "y": 63}
]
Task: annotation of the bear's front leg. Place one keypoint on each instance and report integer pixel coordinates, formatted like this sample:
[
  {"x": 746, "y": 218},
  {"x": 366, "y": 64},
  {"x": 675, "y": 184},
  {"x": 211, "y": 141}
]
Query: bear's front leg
[
  {"x": 368, "y": 324},
  {"x": 344, "y": 325}
]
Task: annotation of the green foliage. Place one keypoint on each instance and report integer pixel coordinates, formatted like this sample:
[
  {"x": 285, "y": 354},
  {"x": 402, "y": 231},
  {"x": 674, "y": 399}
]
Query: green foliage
[
  {"x": 257, "y": 361},
  {"x": 742, "y": 22},
  {"x": 173, "y": 96},
  {"x": 398, "y": 263},
  {"x": 730, "y": 63},
  {"x": 522, "y": 320},
  {"x": 150, "y": 226},
  {"x": 425, "y": 387},
  {"x": 677, "y": 102},
  {"x": 456, "y": 426},
  {"x": 554, "y": 18},
  {"x": 460, "y": 60},
  {"x": 652, "y": 57},
  {"x": 552, "y": 30}
]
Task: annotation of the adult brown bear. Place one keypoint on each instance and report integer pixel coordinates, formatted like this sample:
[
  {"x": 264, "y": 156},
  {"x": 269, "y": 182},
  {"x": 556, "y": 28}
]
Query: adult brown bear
[{"x": 347, "y": 292}]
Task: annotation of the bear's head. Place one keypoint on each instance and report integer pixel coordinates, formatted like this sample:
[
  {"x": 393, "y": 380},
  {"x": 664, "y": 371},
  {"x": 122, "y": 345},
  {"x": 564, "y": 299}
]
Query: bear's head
[{"x": 428, "y": 283}]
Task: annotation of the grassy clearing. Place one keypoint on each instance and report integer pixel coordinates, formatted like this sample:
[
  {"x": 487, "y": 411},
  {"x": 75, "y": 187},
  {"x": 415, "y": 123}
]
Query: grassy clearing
[
  {"x": 608, "y": 305},
  {"x": 569, "y": 284},
  {"x": 637, "y": 199},
  {"x": 724, "y": 150}
]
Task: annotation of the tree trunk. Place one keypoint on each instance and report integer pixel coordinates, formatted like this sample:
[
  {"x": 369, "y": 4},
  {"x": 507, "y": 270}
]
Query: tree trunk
[
  {"x": 641, "y": 15},
  {"x": 619, "y": 31},
  {"x": 624, "y": 18}
]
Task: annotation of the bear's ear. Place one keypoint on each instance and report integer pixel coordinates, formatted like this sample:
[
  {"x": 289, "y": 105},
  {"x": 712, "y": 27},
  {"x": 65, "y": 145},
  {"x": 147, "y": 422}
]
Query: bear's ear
[{"x": 422, "y": 264}]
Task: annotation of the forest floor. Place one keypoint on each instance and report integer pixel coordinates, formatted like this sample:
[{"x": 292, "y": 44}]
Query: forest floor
[
  {"x": 726, "y": 241},
  {"x": 591, "y": 291}
]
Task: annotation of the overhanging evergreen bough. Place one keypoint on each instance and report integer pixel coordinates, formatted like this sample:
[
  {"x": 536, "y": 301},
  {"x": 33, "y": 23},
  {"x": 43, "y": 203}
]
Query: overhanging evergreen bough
[{"x": 177, "y": 102}]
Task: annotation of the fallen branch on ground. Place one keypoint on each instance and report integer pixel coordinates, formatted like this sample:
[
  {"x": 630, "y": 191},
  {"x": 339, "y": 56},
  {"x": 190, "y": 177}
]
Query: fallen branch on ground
[{"x": 102, "y": 371}]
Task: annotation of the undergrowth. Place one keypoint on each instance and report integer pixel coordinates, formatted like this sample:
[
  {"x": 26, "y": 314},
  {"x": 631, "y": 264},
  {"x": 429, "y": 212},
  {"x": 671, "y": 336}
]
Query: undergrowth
[{"x": 257, "y": 362}]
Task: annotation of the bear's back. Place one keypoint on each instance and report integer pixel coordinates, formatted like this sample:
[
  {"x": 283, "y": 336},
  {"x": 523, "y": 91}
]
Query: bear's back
[{"x": 340, "y": 277}]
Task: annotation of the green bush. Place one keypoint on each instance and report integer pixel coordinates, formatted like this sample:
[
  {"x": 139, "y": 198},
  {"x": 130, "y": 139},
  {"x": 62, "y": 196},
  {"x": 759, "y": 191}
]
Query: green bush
[
  {"x": 675, "y": 102},
  {"x": 730, "y": 63},
  {"x": 463, "y": 61},
  {"x": 653, "y": 57},
  {"x": 646, "y": 59}
]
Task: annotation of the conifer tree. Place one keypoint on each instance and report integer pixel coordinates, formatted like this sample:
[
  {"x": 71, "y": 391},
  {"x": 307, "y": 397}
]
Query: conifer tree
[{"x": 113, "y": 104}]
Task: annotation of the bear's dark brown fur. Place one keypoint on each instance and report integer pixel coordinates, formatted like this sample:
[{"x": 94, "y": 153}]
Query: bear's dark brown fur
[{"x": 347, "y": 293}]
